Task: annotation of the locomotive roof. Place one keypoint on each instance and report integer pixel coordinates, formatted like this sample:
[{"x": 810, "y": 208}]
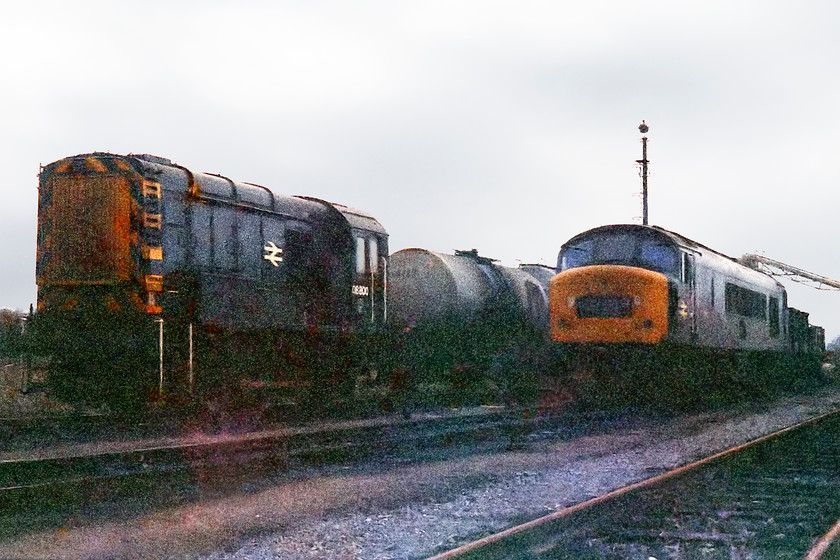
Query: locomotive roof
[
  {"x": 357, "y": 218},
  {"x": 681, "y": 241},
  {"x": 650, "y": 230},
  {"x": 213, "y": 186}
]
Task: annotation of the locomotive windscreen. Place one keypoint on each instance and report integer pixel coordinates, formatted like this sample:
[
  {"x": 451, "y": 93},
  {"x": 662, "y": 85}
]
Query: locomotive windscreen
[
  {"x": 620, "y": 248},
  {"x": 85, "y": 223}
]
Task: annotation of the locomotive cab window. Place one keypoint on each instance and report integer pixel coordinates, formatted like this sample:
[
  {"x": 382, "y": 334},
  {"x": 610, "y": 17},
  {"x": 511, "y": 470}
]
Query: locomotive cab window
[
  {"x": 360, "y": 255},
  {"x": 658, "y": 256},
  {"x": 687, "y": 270},
  {"x": 775, "y": 329},
  {"x": 579, "y": 254},
  {"x": 373, "y": 255},
  {"x": 367, "y": 255},
  {"x": 645, "y": 251}
]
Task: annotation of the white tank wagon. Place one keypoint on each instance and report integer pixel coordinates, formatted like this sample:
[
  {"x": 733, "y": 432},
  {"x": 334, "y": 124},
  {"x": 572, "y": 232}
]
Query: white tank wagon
[
  {"x": 426, "y": 286},
  {"x": 543, "y": 273},
  {"x": 470, "y": 329}
]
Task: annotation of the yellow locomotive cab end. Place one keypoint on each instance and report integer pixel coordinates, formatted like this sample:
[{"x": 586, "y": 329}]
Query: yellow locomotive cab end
[{"x": 609, "y": 304}]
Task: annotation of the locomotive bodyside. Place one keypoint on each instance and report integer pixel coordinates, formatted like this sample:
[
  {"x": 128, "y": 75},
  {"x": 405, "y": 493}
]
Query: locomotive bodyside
[{"x": 266, "y": 261}]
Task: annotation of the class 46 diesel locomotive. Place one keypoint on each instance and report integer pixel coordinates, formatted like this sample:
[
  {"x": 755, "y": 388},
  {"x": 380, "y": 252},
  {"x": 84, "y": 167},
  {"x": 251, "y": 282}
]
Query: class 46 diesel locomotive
[
  {"x": 644, "y": 284},
  {"x": 639, "y": 306}
]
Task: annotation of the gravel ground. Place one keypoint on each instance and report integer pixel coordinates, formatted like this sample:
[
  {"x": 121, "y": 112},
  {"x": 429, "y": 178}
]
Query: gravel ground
[
  {"x": 414, "y": 511},
  {"x": 15, "y": 404}
]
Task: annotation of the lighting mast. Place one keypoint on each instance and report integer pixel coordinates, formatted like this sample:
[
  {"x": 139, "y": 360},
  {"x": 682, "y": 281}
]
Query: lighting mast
[{"x": 643, "y": 128}]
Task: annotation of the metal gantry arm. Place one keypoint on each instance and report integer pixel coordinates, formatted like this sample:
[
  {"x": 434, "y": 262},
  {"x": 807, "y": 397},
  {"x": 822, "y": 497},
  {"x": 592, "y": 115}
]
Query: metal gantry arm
[{"x": 776, "y": 268}]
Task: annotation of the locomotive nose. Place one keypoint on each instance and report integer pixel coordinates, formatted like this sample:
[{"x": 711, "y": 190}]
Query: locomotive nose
[
  {"x": 88, "y": 224},
  {"x": 609, "y": 303}
]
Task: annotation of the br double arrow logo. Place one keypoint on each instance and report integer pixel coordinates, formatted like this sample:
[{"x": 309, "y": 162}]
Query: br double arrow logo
[{"x": 273, "y": 253}]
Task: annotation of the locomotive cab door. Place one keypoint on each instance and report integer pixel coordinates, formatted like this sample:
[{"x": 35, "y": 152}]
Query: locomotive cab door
[
  {"x": 689, "y": 300},
  {"x": 370, "y": 279}
]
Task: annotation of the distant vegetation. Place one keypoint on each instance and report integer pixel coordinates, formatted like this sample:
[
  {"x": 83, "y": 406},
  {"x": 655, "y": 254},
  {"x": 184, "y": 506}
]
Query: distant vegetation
[{"x": 11, "y": 330}]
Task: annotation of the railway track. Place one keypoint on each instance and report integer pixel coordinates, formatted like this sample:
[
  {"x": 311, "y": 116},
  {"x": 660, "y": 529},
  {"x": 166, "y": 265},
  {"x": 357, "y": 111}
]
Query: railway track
[
  {"x": 772, "y": 498},
  {"x": 35, "y": 487}
]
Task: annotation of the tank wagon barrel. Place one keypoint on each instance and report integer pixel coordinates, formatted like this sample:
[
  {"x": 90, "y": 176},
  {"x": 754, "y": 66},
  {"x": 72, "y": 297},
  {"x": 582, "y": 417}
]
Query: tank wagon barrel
[
  {"x": 426, "y": 285},
  {"x": 463, "y": 317}
]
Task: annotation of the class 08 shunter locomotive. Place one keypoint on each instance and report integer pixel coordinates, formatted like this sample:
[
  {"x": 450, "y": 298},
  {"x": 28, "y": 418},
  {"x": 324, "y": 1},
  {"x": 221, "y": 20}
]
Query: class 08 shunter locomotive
[
  {"x": 628, "y": 291},
  {"x": 124, "y": 241}
]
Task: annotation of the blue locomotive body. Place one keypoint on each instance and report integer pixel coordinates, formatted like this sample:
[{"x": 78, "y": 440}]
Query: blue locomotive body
[{"x": 137, "y": 241}]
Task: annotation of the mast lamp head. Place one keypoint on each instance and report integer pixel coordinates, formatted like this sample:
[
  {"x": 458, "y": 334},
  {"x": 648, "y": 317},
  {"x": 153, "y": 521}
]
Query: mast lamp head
[{"x": 643, "y": 128}]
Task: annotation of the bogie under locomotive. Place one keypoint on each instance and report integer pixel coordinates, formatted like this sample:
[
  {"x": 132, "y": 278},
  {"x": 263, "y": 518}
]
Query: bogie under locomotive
[
  {"x": 671, "y": 307},
  {"x": 129, "y": 246}
]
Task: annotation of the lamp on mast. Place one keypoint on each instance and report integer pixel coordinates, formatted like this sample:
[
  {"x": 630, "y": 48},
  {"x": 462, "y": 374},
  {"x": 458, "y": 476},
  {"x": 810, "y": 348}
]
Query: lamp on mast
[{"x": 643, "y": 128}]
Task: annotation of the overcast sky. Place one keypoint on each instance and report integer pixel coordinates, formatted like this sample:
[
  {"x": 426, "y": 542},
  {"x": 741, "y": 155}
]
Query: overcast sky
[{"x": 502, "y": 126}]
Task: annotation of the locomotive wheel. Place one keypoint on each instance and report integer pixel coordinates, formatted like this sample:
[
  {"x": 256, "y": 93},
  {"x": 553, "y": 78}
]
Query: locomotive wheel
[
  {"x": 97, "y": 358},
  {"x": 603, "y": 378}
]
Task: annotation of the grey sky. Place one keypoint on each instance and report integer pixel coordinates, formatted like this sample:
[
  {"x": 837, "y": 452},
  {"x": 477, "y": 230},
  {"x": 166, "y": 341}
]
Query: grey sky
[{"x": 502, "y": 126}]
